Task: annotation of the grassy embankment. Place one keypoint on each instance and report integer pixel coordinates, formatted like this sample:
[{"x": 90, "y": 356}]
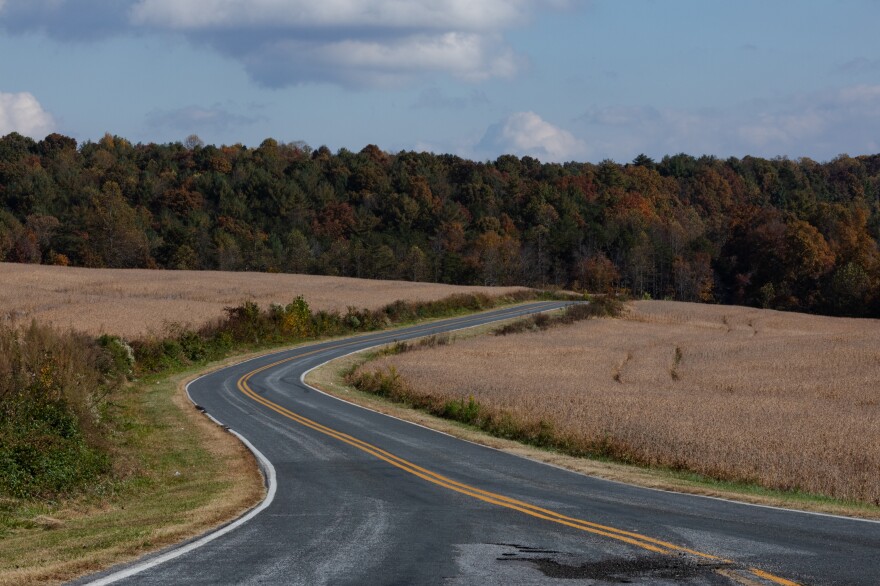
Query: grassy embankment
[
  {"x": 758, "y": 405},
  {"x": 124, "y": 468}
]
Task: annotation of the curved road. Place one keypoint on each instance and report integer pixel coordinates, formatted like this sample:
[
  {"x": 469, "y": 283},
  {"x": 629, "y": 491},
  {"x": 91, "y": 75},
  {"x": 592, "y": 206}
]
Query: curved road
[{"x": 363, "y": 498}]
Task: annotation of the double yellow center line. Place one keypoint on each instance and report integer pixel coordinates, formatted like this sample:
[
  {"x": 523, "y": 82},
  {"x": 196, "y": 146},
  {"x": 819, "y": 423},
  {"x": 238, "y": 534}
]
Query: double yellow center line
[{"x": 629, "y": 537}]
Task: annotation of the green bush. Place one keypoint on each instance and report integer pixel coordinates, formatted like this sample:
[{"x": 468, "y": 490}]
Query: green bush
[
  {"x": 51, "y": 386},
  {"x": 120, "y": 353},
  {"x": 464, "y": 411},
  {"x": 388, "y": 383},
  {"x": 248, "y": 325},
  {"x": 598, "y": 306}
]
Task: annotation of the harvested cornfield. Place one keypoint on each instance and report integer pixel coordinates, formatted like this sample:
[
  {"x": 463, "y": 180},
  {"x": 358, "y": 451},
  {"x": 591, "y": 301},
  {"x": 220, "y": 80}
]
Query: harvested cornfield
[
  {"x": 135, "y": 302},
  {"x": 785, "y": 400}
]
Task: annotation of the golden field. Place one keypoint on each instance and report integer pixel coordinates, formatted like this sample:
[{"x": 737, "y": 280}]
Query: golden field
[
  {"x": 136, "y": 302},
  {"x": 785, "y": 400}
]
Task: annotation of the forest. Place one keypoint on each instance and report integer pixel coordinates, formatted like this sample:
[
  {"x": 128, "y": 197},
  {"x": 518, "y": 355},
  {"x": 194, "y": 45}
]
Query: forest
[{"x": 785, "y": 234}]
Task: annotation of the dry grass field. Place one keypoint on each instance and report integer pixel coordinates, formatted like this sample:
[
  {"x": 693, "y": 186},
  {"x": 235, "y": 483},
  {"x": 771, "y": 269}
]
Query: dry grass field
[
  {"x": 134, "y": 302},
  {"x": 789, "y": 401}
]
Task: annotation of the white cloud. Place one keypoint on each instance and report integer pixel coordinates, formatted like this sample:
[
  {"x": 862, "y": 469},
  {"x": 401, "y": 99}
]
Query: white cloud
[
  {"x": 782, "y": 128},
  {"x": 459, "y": 15},
  {"x": 464, "y": 55},
  {"x": 371, "y": 43},
  {"x": 369, "y": 62},
  {"x": 22, "y": 113},
  {"x": 526, "y": 133},
  {"x": 358, "y": 43},
  {"x": 828, "y": 123},
  {"x": 285, "y": 42}
]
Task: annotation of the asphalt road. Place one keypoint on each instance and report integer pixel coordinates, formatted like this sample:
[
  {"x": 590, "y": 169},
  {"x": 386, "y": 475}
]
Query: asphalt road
[{"x": 363, "y": 498}]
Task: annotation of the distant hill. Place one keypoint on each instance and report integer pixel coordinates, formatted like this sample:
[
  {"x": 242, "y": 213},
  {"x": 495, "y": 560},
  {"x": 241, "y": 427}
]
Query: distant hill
[{"x": 774, "y": 233}]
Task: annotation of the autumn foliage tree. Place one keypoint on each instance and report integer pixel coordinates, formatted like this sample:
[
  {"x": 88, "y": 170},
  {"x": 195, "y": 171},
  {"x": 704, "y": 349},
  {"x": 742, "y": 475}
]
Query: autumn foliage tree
[{"x": 781, "y": 233}]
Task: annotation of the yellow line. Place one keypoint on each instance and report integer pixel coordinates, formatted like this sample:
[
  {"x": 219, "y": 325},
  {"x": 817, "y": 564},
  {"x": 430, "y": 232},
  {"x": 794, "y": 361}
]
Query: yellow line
[
  {"x": 441, "y": 481},
  {"x": 636, "y": 539},
  {"x": 772, "y": 578},
  {"x": 743, "y": 580},
  {"x": 437, "y": 479}
]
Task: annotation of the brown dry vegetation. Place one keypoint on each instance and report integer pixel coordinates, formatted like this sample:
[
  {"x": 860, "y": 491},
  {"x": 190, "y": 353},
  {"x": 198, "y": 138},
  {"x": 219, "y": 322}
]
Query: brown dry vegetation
[
  {"x": 192, "y": 476},
  {"x": 134, "y": 302},
  {"x": 789, "y": 401}
]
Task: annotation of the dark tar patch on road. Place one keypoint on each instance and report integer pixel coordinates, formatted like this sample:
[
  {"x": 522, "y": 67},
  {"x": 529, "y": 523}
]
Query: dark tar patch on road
[{"x": 619, "y": 570}]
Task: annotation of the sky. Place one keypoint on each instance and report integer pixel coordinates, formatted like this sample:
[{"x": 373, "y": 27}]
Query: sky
[{"x": 558, "y": 80}]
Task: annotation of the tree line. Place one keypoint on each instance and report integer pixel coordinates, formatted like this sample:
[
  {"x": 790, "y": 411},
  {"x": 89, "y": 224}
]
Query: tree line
[{"x": 780, "y": 233}]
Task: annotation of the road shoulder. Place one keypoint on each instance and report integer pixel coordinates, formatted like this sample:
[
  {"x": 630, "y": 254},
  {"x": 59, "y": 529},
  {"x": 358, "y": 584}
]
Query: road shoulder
[{"x": 195, "y": 477}]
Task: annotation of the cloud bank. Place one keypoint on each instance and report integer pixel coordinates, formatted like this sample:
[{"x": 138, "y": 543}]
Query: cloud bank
[
  {"x": 820, "y": 125},
  {"x": 285, "y": 42},
  {"x": 22, "y": 113},
  {"x": 526, "y": 133},
  {"x": 66, "y": 20},
  {"x": 403, "y": 14}
]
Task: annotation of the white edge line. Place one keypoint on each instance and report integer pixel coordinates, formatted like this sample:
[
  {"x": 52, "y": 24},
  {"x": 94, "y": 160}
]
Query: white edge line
[
  {"x": 265, "y": 465},
  {"x": 269, "y": 477},
  {"x": 302, "y": 379}
]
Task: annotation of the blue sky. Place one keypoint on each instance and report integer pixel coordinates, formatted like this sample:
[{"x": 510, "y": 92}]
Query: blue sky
[{"x": 555, "y": 79}]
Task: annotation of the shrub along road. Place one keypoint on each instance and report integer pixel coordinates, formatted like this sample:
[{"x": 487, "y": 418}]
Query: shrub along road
[{"x": 363, "y": 498}]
